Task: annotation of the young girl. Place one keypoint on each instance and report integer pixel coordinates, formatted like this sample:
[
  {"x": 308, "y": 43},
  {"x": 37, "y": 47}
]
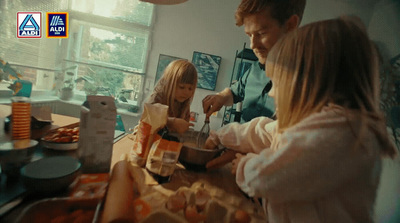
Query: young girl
[
  {"x": 176, "y": 89},
  {"x": 321, "y": 160}
]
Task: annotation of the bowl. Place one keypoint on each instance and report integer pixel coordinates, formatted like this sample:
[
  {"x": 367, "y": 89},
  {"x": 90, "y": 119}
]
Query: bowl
[
  {"x": 51, "y": 174},
  {"x": 15, "y": 154},
  {"x": 60, "y": 210},
  {"x": 193, "y": 157}
]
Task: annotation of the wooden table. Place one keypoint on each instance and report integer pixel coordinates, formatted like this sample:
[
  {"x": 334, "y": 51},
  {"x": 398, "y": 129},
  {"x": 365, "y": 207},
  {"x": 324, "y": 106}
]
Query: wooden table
[
  {"x": 14, "y": 190},
  {"x": 220, "y": 182},
  {"x": 58, "y": 120}
]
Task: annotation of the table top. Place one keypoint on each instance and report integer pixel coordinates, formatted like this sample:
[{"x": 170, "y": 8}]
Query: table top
[
  {"x": 220, "y": 181},
  {"x": 58, "y": 120},
  {"x": 12, "y": 192}
]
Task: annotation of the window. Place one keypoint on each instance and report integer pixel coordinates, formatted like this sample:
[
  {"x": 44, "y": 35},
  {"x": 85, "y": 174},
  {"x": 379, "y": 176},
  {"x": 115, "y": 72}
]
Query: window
[
  {"x": 35, "y": 57},
  {"x": 109, "y": 44},
  {"x": 106, "y": 52}
]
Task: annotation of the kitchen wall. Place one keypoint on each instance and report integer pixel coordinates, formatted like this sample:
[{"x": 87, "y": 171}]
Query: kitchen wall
[
  {"x": 198, "y": 25},
  {"x": 384, "y": 27}
]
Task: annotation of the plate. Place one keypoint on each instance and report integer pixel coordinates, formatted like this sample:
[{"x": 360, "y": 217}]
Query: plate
[{"x": 60, "y": 145}]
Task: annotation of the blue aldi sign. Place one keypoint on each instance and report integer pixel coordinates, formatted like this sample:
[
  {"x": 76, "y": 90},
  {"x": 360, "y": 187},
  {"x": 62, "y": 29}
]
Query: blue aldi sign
[
  {"x": 57, "y": 25},
  {"x": 29, "y": 24}
]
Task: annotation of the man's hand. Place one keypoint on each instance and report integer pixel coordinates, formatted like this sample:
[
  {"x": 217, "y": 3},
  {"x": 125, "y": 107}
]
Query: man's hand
[{"x": 214, "y": 102}]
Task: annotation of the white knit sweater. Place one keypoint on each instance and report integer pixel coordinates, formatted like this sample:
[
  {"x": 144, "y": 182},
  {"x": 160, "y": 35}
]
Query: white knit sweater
[{"x": 311, "y": 172}]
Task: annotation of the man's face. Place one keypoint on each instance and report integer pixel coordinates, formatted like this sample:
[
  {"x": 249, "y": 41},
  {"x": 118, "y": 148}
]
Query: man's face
[{"x": 263, "y": 31}]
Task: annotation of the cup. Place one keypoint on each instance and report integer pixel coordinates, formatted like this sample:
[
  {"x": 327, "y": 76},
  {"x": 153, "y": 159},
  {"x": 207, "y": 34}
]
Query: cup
[{"x": 21, "y": 118}]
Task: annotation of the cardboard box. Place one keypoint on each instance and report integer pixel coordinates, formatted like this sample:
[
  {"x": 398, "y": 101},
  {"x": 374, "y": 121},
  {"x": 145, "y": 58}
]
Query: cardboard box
[{"x": 96, "y": 137}]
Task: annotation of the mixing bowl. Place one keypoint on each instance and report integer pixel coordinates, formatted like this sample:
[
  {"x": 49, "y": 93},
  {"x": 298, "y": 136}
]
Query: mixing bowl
[{"x": 193, "y": 157}]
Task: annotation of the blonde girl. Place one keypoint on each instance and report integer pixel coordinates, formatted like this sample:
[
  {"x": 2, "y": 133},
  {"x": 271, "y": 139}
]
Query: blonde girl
[
  {"x": 321, "y": 160},
  {"x": 176, "y": 89}
]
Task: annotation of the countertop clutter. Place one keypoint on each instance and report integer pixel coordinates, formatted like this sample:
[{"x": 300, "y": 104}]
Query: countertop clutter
[
  {"x": 208, "y": 196},
  {"x": 129, "y": 193}
]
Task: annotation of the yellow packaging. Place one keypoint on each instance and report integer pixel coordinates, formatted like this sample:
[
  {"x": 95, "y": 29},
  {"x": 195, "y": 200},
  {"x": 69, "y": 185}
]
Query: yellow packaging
[{"x": 154, "y": 117}]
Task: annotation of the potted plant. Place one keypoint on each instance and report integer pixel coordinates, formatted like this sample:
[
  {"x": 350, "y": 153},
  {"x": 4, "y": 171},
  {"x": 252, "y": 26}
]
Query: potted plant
[{"x": 67, "y": 91}]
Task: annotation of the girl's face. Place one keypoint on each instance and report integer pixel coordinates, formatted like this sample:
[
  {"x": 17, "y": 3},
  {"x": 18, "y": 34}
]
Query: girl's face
[{"x": 183, "y": 92}]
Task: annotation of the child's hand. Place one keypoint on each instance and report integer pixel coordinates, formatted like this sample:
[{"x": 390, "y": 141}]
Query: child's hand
[
  {"x": 212, "y": 141},
  {"x": 235, "y": 162},
  {"x": 220, "y": 161},
  {"x": 181, "y": 125}
]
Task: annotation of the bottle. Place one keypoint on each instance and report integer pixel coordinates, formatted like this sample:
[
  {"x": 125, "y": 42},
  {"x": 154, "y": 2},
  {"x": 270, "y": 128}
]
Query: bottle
[
  {"x": 163, "y": 156},
  {"x": 238, "y": 113}
]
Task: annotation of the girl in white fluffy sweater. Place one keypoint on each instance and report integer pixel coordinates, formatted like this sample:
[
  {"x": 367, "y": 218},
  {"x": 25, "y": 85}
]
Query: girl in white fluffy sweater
[{"x": 321, "y": 160}]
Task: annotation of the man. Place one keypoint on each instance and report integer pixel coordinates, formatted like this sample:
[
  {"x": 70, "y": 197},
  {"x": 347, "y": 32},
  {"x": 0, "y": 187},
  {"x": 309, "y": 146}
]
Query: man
[{"x": 264, "y": 21}]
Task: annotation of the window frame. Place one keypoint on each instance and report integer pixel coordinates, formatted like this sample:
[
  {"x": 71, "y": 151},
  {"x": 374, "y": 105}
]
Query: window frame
[{"x": 77, "y": 18}]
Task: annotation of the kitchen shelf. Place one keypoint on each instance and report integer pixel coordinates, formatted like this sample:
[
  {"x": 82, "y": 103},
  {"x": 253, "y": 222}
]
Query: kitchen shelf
[{"x": 243, "y": 61}]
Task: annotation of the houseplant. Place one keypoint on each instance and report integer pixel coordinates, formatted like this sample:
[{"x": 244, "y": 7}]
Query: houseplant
[{"x": 67, "y": 90}]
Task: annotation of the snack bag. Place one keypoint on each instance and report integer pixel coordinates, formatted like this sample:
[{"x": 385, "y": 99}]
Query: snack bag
[
  {"x": 163, "y": 156},
  {"x": 154, "y": 117}
]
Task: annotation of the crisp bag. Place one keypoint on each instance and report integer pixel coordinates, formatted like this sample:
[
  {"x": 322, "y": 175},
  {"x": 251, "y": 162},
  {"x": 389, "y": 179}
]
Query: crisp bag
[
  {"x": 163, "y": 156},
  {"x": 154, "y": 118}
]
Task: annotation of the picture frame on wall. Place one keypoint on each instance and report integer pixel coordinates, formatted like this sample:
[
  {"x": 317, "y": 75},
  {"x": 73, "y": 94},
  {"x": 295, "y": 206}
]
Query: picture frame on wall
[
  {"x": 207, "y": 66},
  {"x": 163, "y": 61}
]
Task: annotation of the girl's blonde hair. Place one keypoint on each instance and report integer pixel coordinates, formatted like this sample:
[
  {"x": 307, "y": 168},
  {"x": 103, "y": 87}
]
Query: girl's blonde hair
[
  {"x": 177, "y": 72},
  {"x": 331, "y": 61}
]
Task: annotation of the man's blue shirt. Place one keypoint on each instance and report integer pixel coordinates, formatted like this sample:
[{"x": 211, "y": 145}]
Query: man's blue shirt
[{"x": 252, "y": 90}]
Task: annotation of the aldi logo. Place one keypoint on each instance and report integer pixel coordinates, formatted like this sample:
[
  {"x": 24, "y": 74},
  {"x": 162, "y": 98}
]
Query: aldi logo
[
  {"x": 29, "y": 24},
  {"x": 57, "y": 25}
]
